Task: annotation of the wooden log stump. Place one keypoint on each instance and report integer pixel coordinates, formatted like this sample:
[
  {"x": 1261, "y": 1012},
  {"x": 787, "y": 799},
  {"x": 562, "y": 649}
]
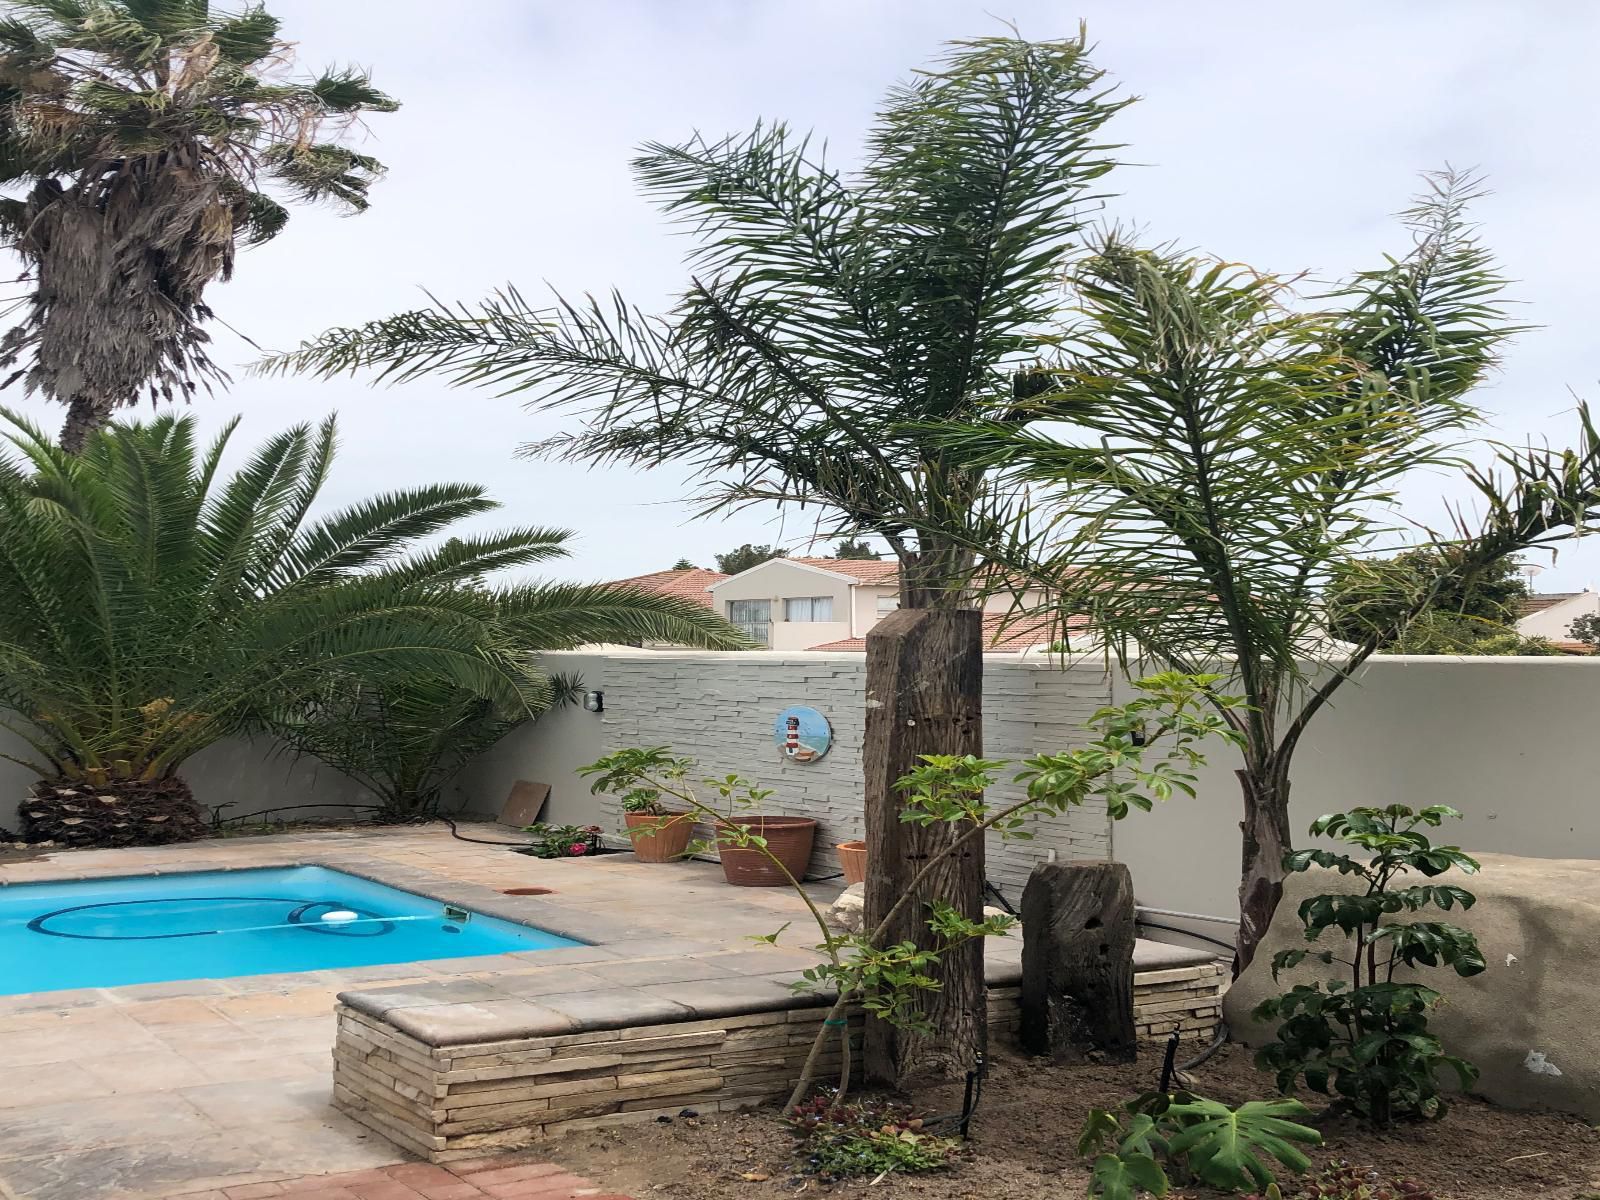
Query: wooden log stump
[
  {"x": 1077, "y": 962},
  {"x": 924, "y": 696}
]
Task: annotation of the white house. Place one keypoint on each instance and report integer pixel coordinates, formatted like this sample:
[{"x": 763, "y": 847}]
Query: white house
[
  {"x": 1551, "y": 614},
  {"x": 831, "y": 603}
]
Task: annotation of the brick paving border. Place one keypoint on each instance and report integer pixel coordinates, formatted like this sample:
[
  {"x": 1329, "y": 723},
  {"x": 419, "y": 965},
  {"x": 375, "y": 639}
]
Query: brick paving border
[{"x": 479, "y": 1179}]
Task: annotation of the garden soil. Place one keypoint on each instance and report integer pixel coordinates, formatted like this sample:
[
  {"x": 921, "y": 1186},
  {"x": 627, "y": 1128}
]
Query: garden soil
[{"x": 1025, "y": 1134}]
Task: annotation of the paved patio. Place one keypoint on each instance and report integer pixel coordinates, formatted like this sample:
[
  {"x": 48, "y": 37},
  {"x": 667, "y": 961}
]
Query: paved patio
[{"x": 159, "y": 1090}]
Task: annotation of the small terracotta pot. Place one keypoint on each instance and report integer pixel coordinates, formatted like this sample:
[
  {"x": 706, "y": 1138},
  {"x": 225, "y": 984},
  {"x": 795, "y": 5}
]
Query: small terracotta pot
[
  {"x": 659, "y": 839},
  {"x": 789, "y": 839},
  {"x": 853, "y": 861}
]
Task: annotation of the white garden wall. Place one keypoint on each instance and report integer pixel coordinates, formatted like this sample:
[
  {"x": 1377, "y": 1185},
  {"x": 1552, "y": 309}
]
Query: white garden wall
[
  {"x": 720, "y": 709},
  {"x": 1514, "y": 742}
]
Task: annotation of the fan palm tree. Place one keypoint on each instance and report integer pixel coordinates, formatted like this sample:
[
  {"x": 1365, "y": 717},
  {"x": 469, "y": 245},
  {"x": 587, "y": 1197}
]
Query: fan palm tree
[
  {"x": 149, "y": 607},
  {"x": 1208, "y": 458},
  {"x": 829, "y": 318},
  {"x": 139, "y": 138}
]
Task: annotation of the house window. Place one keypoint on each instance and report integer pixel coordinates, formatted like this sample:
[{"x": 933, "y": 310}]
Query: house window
[
  {"x": 808, "y": 608},
  {"x": 887, "y": 604},
  {"x": 754, "y": 619}
]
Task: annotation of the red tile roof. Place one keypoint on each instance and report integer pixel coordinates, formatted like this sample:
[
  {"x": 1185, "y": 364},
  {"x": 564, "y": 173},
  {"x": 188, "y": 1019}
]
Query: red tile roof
[
  {"x": 1540, "y": 601},
  {"x": 1573, "y": 647},
  {"x": 686, "y": 585},
  {"x": 1002, "y": 633},
  {"x": 862, "y": 570}
]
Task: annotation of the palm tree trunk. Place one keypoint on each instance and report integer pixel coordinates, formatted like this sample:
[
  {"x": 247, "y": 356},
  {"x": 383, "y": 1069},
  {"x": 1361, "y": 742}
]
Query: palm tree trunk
[
  {"x": 924, "y": 696},
  {"x": 1266, "y": 840},
  {"x": 118, "y": 812},
  {"x": 84, "y": 417}
]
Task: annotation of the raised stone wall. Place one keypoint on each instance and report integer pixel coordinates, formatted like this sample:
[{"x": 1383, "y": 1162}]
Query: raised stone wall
[{"x": 462, "y": 1101}]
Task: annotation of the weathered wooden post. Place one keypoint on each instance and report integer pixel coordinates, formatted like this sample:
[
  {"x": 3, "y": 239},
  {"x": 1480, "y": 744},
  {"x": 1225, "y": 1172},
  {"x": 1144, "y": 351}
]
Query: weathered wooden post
[{"x": 1077, "y": 962}]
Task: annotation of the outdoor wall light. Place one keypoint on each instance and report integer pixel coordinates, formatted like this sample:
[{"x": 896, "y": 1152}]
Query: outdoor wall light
[{"x": 594, "y": 701}]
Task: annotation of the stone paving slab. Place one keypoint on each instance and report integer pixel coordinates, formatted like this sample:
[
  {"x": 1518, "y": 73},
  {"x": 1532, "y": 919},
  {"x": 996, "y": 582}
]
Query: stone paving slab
[
  {"x": 491, "y": 1178},
  {"x": 127, "y": 1093}
]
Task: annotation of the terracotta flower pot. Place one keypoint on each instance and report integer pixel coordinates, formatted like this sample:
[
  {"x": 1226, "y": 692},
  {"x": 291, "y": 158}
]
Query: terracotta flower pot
[
  {"x": 788, "y": 838},
  {"x": 853, "y": 861},
  {"x": 659, "y": 839}
]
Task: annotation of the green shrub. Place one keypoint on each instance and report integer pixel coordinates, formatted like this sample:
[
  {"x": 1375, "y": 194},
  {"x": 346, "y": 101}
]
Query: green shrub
[
  {"x": 867, "y": 1137},
  {"x": 563, "y": 841},
  {"x": 1192, "y": 1139},
  {"x": 1366, "y": 1034}
]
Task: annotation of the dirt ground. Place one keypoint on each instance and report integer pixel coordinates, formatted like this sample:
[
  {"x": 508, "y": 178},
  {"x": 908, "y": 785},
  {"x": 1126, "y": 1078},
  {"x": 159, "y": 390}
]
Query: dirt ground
[{"x": 1026, "y": 1128}]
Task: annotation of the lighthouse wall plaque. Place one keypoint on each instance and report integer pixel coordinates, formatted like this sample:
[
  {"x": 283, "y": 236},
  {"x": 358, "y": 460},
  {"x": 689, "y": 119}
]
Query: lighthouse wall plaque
[{"x": 802, "y": 734}]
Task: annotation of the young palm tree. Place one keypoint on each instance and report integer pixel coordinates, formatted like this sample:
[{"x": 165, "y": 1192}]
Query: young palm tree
[
  {"x": 149, "y": 607},
  {"x": 140, "y": 138},
  {"x": 829, "y": 318},
  {"x": 1219, "y": 457},
  {"x": 406, "y": 735}
]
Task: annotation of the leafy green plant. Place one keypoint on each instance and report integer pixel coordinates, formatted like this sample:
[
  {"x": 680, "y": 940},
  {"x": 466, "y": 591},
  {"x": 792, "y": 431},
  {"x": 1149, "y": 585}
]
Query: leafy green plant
[
  {"x": 867, "y": 1137},
  {"x": 1367, "y": 1035},
  {"x": 1342, "y": 1181},
  {"x": 563, "y": 841},
  {"x": 888, "y": 978},
  {"x": 1191, "y": 1138}
]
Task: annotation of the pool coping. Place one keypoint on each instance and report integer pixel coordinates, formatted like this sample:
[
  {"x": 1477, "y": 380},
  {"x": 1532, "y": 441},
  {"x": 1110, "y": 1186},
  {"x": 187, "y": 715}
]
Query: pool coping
[{"x": 621, "y": 975}]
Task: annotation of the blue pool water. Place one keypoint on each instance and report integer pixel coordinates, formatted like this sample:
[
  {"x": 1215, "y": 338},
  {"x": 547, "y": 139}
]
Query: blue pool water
[{"x": 209, "y": 925}]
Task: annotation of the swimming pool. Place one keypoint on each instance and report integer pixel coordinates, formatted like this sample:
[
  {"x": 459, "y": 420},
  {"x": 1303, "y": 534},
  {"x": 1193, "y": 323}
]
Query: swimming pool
[{"x": 219, "y": 924}]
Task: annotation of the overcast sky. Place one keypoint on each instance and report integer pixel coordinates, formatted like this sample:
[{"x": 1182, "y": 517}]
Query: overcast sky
[{"x": 1283, "y": 135}]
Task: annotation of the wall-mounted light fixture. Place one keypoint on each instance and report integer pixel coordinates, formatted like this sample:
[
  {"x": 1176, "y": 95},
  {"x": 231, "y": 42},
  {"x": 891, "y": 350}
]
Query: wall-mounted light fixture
[{"x": 594, "y": 701}]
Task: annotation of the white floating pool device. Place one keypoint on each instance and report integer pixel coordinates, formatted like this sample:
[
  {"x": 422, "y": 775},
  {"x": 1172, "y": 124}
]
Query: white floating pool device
[{"x": 340, "y": 915}]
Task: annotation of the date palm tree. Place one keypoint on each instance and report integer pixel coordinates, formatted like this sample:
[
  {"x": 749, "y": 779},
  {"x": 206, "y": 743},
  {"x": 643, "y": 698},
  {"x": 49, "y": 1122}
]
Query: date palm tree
[
  {"x": 139, "y": 141},
  {"x": 1207, "y": 457},
  {"x": 829, "y": 318},
  {"x": 150, "y": 606}
]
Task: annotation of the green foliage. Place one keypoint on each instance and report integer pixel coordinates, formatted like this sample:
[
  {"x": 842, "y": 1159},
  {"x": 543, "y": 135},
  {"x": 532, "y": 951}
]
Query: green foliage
[
  {"x": 1586, "y": 629},
  {"x": 683, "y": 564},
  {"x": 1134, "y": 1150},
  {"x": 1342, "y": 1181},
  {"x": 1382, "y": 597},
  {"x": 867, "y": 1137},
  {"x": 747, "y": 556},
  {"x": 563, "y": 841},
  {"x": 150, "y": 604},
  {"x": 406, "y": 736},
  {"x": 148, "y": 138},
  {"x": 1366, "y": 1034},
  {"x": 1120, "y": 766},
  {"x": 854, "y": 548}
]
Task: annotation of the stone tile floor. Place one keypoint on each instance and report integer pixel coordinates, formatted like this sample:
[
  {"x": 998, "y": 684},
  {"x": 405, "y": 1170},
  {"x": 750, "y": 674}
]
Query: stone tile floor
[
  {"x": 219, "y": 1086},
  {"x": 483, "y": 1179},
  {"x": 133, "y": 1093}
]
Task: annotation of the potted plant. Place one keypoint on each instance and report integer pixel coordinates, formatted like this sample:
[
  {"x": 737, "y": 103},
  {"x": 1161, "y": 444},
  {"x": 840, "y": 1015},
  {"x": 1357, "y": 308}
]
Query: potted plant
[
  {"x": 741, "y": 839},
  {"x": 853, "y": 861},
  {"x": 658, "y": 834}
]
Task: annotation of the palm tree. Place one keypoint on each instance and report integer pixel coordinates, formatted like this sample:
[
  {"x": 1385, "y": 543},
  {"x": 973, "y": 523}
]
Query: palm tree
[
  {"x": 830, "y": 317},
  {"x": 140, "y": 136},
  {"x": 149, "y": 607},
  {"x": 406, "y": 735},
  {"x": 1217, "y": 457}
]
